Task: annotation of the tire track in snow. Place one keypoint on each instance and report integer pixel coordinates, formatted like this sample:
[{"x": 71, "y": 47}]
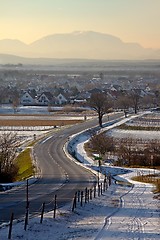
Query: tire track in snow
[
  {"x": 108, "y": 219},
  {"x": 126, "y": 221}
]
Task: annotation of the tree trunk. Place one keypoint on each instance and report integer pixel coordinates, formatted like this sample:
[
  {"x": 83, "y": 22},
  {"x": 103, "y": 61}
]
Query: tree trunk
[
  {"x": 100, "y": 120},
  {"x": 135, "y": 110}
]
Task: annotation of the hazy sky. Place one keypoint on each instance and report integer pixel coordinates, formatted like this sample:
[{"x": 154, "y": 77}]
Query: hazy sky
[{"x": 130, "y": 20}]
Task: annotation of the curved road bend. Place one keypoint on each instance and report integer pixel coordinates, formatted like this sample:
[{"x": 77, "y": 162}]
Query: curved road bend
[{"x": 60, "y": 176}]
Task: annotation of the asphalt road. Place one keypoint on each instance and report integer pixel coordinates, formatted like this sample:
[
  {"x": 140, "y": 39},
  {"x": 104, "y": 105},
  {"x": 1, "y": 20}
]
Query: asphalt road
[{"x": 59, "y": 175}]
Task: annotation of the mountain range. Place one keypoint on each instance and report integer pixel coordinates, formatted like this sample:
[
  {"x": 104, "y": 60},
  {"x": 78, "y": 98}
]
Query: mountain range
[{"x": 78, "y": 45}]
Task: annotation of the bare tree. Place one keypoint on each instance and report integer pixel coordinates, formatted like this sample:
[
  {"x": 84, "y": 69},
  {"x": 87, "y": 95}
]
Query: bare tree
[
  {"x": 147, "y": 101},
  {"x": 124, "y": 153},
  {"x": 101, "y": 104},
  {"x": 15, "y": 100},
  {"x": 135, "y": 99},
  {"x": 101, "y": 143},
  {"x": 124, "y": 102},
  {"x": 132, "y": 152},
  {"x": 8, "y": 147}
]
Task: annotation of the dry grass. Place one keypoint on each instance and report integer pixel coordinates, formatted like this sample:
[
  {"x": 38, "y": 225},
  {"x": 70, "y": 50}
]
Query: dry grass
[
  {"x": 153, "y": 179},
  {"x": 24, "y": 164}
]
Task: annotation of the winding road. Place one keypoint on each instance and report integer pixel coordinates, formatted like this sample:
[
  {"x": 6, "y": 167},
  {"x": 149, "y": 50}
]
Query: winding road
[{"x": 59, "y": 175}]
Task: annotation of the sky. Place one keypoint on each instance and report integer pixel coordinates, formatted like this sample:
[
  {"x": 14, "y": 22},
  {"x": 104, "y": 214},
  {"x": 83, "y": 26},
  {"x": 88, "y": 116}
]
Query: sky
[{"x": 130, "y": 20}]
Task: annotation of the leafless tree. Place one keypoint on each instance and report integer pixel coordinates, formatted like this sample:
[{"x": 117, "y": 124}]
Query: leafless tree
[
  {"x": 147, "y": 101},
  {"x": 123, "y": 102},
  {"x": 8, "y": 147},
  {"x": 15, "y": 100},
  {"x": 132, "y": 152},
  {"x": 101, "y": 104},
  {"x": 135, "y": 99},
  {"x": 101, "y": 143},
  {"x": 124, "y": 153}
]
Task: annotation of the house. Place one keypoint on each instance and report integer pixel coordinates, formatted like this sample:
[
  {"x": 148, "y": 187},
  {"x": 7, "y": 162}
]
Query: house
[
  {"x": 95, "y": 90},
  {"x": 28, "y": 98},
  {"x": 61, "y": 99},
  {"x": 45, "y": 99},
  {"x": 81, "y": 98}
]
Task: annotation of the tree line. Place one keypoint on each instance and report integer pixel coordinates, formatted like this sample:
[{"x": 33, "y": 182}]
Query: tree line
[{"x": 102, "y": 103}]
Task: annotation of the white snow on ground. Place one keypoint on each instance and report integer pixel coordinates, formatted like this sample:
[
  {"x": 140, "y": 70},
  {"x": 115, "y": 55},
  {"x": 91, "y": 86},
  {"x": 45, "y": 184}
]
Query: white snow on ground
[
  {"x": 120, "y": 133},
  {"x": 124, "y": 211},
  {"x": 8, "y": 109}
]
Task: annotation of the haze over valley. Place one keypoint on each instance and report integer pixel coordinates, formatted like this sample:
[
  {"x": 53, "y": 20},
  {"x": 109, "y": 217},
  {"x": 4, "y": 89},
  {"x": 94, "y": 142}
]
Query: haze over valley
[{"x": 76, "y": 45}]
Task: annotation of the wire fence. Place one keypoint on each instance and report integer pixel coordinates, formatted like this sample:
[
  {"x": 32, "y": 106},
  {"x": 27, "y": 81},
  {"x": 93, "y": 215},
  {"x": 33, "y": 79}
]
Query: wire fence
[{"x": 79, "y": 199}]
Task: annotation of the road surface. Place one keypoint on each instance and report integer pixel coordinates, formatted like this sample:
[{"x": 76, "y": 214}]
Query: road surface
[{"x": 59, "y": 175}]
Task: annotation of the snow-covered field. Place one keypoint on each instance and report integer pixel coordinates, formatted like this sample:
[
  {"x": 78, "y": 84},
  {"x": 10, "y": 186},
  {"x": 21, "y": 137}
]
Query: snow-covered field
[
  {"x": 8, "y": 109},
  {"x": 38, "y": 110},
  {"x": 121, "y": 133},
  {"x": 143, "y": 134},
  {"x": 125, "y": 211},
  {"x": 122, "y": 212}
]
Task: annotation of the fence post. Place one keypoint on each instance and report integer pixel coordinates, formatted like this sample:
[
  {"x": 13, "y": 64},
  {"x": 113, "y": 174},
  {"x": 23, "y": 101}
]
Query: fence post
[
  {"x": 104, "y": 185},
  {"x": 75, "y": 199},
  {"x": 86, "y": 195},
  {"x": 27, "y": 207},
  {"x": 10, "y": 226},
  {"x": 91, "y": 194},
  {"x": 78, "y": 196},
  {"x": 81, "y": 198},
  {"x": 26, "y": 217},
  {"x": 55, "y": 206},
  {"x": 101, "y": 189},
  {"x": 109, "y": 179},
  {"x": 98, "y": 190},
  {"x": 94, "y": 190},
  {"x": 43, "y": 206},
  {"x": 74, "y": 202}
]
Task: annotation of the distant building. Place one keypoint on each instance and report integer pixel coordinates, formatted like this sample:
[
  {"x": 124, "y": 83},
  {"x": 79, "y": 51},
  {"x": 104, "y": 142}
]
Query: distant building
[
  {"x": 45, "y": 99},
  {"x": 28, "y": 98},
  {"x": 61, "y": 99}
]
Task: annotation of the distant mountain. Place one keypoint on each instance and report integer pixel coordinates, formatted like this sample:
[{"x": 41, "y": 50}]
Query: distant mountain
[
  {"x": 13, "y": 46},
  {"x": 8, "y": 59},
  {"x": 80, "y": 45}
]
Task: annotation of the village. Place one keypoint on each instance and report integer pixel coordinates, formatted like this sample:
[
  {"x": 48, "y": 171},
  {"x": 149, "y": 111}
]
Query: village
[{"x": 44, "y": 86}]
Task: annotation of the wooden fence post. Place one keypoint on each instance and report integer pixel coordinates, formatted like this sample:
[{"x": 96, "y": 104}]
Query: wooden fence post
[
  {"x": 109, "y": 179},
  {"x": 98, "y": 190},
  {"x": 104, "y": 185},
  {"x": 43, "y": 206},
  {"x": 101, "y": 189},
  {"x": 91, "y": 194},
  {"x": 10, "y": 226},
  {"x": 74, "y": 202},
  {"x": 81, "y": 198},
  {"x": 78, "y": 196},
  {"x": 94, "y": 190},
  {"x": 55, "y": 206},
  {"x": 26, "y": 217},
  {"x": 86, "y": 195},
  {"x": 75, "y": 199}
]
